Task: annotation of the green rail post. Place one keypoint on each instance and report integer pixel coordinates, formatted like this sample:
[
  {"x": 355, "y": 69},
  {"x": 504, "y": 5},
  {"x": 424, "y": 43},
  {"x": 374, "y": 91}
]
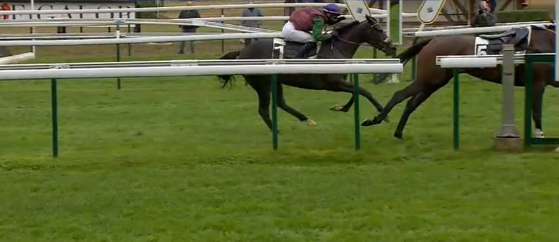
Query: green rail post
[
  {"x": 528, "y": 89},
  {"x": 129, "y": 45},
  {"x": 275, "y": 112},
  {"x": 54, "y": 106},
  {"x": 355, "y": 79},
  {"x": 456, "y": 113},
  {"x": 117, "y": 33},
  {"x": 375, "y": 75},
  {"x": 530, "y": 60}
]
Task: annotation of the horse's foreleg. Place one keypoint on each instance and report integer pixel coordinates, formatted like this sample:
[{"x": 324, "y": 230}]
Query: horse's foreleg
[
  {"x": 349, "y": 88},
  {"x": 399, "y": 96},
  {"x": 345, "y": 108},
  {"x": 283, "y": 105}
]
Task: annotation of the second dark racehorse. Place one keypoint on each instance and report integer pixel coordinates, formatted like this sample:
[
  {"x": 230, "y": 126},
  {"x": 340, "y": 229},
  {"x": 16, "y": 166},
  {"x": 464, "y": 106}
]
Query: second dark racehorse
[{"x": 431, "y": 77}]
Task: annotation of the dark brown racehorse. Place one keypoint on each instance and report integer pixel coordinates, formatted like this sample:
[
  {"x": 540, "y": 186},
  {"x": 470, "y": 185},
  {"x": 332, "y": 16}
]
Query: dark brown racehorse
[
  {"x": 342, "y": 46},
  {"x": 430, "y": 77}
]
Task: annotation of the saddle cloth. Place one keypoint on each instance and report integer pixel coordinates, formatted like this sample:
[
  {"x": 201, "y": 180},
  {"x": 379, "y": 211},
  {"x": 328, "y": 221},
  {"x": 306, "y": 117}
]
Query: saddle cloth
[
  {"x": 288, "y": 49},
  {"x": 486, "y": 44}
]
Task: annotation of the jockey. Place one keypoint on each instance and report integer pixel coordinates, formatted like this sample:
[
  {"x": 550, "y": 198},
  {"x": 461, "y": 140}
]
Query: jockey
[
  {"x": 485, "y": 16},
  {"x": 305, "y": 20}
]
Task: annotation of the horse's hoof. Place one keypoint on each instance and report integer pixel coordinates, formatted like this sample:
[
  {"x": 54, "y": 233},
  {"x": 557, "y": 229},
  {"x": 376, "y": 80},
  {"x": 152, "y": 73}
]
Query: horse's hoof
[
  {"x": 539, "y": 134},
  {"x": 338, "y": 109},
  {"x": 399, "y": 136},
  {"x": 310, "y": 122},
  {"x": 369, "y": 122}
]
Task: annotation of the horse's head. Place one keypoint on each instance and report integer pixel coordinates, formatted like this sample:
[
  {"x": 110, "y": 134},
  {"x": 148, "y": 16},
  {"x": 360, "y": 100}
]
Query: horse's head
[
  {"x": 368, "y": 31},
  {"x": 374, "y": 35}
]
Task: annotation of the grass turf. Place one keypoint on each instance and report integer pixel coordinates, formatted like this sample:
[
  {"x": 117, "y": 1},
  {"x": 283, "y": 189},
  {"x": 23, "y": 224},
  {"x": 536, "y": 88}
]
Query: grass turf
[
  {"x": 168, "y": 159},
  {"x": 179, "y": 159}
]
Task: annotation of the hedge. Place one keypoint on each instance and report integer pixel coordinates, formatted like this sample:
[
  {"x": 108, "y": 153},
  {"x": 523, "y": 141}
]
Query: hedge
[
  {"x": 523, "y": 16},
  {"x": 146, "y": 4}
]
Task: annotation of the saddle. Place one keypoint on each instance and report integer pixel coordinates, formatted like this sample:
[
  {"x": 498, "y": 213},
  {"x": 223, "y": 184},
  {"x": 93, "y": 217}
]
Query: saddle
[
  {"x": 519, "y": 37},
  {"x": 288, "y": 49}
]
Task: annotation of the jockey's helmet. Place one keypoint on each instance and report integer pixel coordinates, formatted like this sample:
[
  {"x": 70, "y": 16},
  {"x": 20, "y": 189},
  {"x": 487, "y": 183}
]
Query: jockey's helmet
[{"x": 332, "y": 9}]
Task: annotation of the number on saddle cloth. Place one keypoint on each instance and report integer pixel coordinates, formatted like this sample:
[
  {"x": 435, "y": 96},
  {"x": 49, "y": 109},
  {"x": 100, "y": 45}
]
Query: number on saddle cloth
[{"x": 493, "y": 44}]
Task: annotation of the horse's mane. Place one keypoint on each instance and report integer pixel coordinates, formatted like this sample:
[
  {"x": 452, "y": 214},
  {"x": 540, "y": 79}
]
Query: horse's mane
[
  {"x": 550, "y": 26},
  {"x": 346, "y": 27}
]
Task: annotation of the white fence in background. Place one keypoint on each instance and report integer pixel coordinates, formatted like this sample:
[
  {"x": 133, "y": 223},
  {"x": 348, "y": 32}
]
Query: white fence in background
[{"x": 206, "y": 7}]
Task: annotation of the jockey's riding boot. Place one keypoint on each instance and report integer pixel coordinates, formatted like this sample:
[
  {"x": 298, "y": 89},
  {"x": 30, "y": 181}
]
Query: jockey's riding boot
[{"x": 305, "y": 50}]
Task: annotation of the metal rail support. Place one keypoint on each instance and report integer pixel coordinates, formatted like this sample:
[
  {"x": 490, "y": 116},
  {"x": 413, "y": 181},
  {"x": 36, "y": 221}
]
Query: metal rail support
[
  {"x": 508, "y": 137},
  {"x": 54, "y": 106},
  {"x": 117, "y": 35},
  {"x": 456, "y": 110},
  {"x": 356, "y": 110},
  {"x": 275, "y": 112}
]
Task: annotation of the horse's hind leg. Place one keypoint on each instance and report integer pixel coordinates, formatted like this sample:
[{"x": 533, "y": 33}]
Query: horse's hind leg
[
  {"x": 537, "y": 104},
  {"x": 541, "y": 75},
  {"x": 283, "y": 105},
  {"x": 411, "y": 90},
  {"x": 263, "y": 90}
]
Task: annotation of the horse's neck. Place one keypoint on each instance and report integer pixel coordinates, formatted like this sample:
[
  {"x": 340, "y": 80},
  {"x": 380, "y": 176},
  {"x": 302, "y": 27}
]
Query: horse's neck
[
  {"x": 346, "y": 50},
  {"x": 540, "y": 41}
]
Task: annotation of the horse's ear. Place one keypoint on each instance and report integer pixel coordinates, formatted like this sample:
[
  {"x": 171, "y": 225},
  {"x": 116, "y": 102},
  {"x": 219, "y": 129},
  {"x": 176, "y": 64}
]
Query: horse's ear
[{"x": 371, "y": 19}]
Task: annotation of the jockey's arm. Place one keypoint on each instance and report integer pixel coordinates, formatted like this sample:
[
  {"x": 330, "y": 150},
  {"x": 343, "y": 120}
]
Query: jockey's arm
[{"x": 318, "y": 27}]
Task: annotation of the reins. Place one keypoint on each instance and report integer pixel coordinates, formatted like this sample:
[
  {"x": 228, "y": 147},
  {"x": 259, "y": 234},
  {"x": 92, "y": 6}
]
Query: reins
[{"x": 347, "y": 41}]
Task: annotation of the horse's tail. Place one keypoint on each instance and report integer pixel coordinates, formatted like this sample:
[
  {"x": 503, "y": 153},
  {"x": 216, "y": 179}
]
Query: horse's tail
[
  {"x": 553, "y": 83},
  {"x": 411, "y": 52},
  {"x": 228, "y": 79},
  {"x": 405, "y": 56}
]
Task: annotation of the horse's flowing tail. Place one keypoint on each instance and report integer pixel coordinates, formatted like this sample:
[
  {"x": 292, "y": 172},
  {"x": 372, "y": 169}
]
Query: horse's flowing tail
[
  {"x": 405, "y": 56},
  {"x": 412, "y": 51},
  {"x": 553, "y": 83},
  {"x": 228, "y": 79}
]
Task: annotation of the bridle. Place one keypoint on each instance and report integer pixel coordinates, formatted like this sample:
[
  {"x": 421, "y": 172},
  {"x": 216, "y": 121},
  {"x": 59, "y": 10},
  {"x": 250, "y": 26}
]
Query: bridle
[
  {"x": 347, "y": 41},
  {"x": 352, "y": 42},
  {"x": 344, "y": 40}
]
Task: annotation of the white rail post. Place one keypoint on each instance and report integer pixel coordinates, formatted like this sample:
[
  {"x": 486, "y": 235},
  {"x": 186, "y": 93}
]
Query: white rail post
[{"x": 508, "y": 137}]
